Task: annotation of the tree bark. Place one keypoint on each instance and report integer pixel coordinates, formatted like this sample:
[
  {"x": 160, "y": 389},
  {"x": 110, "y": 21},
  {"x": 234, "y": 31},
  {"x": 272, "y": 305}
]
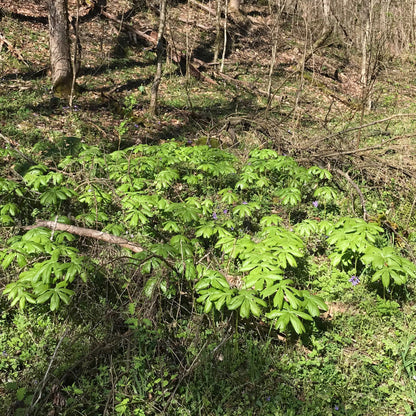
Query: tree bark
[
  {"x": 61, "y": 68},
  {"x": 160, "y": 52}
]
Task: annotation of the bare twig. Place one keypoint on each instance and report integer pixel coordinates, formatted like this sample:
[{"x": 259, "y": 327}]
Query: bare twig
[
  {"x": 185, "y": 374},
  {"x": 360, "y": 127},
  {"x": 357, "y": 189},
  {"x": 152, "y": 40},
  {"x": 367, "y": 149},
  {"x": 224, "y": 46},
  {"x": 245, "y": 85}
]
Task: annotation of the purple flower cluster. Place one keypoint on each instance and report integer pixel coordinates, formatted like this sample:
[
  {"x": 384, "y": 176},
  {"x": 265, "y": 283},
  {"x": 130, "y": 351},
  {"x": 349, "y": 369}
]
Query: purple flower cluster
[
  {"x": 354, "y": 280},
  {"x": 215, "y": 215}
]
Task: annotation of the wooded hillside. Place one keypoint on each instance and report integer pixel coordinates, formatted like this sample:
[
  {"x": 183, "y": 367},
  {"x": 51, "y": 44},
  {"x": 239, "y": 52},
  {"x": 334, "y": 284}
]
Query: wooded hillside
[{"x": 207, "y": 207}]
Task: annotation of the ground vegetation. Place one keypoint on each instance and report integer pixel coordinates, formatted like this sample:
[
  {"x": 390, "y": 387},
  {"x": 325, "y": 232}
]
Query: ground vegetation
[{"x": 217, "y": 217}]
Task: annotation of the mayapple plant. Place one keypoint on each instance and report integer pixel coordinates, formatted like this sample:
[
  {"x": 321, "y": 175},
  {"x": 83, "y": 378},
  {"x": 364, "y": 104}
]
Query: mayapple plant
[{"x": 183, "y": 205}]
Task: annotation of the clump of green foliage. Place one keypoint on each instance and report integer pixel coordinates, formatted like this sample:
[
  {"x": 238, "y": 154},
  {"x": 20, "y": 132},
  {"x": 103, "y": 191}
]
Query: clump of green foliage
[{"x": 234, "y": 230}]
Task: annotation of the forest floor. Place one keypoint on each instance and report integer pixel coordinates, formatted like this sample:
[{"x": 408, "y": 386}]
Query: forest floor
[{"x": 360, "y": 359}]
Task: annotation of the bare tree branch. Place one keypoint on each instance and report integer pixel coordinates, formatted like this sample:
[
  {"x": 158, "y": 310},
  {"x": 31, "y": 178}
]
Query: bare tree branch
[{"x": 87, "y": 232}]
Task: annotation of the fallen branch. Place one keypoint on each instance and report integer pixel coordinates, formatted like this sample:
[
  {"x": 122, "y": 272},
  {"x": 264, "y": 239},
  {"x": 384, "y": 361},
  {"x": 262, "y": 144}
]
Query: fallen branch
[
  {"x": 151, "y": 39},
  {"x": 14, "y": 145},
  {"x": 87, "y": 232},
  {"x": 193, "y": 23},
  {"x": 42, "y": 385},
  {"x": 203, "y": 7},
  {"x": 318, "y": 44}
]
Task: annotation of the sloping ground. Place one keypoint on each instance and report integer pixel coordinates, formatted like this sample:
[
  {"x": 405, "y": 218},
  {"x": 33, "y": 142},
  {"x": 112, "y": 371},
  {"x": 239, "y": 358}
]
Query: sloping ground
[
  {"x": 309, "y": 105},
  {"x": 360, "y": 357}
]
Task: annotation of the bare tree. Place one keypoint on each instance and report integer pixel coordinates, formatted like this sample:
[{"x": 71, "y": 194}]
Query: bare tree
[
  {"x": 61, "y": 68},
  {"x": 160, "y": 52}
]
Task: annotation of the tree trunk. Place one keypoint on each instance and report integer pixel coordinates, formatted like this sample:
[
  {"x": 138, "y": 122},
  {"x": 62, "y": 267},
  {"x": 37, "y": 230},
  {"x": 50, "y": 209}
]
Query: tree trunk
[
  {"x": 326, "y": 13},
  {"x": 61, "y": 69},
  {"x": 160, "y": 52},
  {"x": 218, "y": 31}
]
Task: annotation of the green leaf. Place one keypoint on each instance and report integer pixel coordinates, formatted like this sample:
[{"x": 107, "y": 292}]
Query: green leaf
[
  {"x": 270, "y": 220},
  {"x": 255, "y": 308},
  {"x": 171, "y": 226},
  {"x": 297, "y": 324},
  {"x": 21, "y": 393},
  {"x": 325, "y": 193},
  {"x": 45, "y": 296},
  {"x": 206, "y": 230},
  {"x": 289, "y": 196},
  {"x": 235, "y": 302},
  {"x": 7, "y": 260},
  {"x": 278, "y": 299},
  {"x": 54, "y": 305},
  {"x": 245, "y": 309},
  {"x": 208, "y": 306},
  {"x": 242, "y": 210}
]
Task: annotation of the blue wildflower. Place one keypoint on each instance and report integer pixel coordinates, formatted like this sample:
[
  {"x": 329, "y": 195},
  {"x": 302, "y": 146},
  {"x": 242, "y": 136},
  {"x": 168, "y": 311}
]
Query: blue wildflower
[{"x": 354, "y": 280}]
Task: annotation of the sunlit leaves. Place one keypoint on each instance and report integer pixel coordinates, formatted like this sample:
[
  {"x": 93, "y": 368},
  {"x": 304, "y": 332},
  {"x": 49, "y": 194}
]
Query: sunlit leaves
[
  {"x": 228, "y": 196},
  {"x": 245, "y": 209},
  {"x": 388, "y": 266},
  {"x": 351, "y": 237},
  {"x": 207, "y": 221},
  {"x": 325, "y": 193},
  {"x": 247, "y": 303},
  {"x": 320, "y": 172},
  {"x": 289, "y": 196},
  {"x": 284, "y": 317},
  {"x": 165, "y": 178},
  {"x": 54, "y": 195}
]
